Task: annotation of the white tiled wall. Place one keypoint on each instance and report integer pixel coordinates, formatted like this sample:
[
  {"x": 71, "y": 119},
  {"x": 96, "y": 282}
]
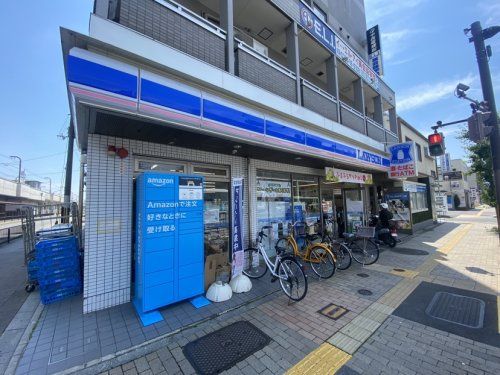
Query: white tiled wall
[{"x": 108, "y": 231}]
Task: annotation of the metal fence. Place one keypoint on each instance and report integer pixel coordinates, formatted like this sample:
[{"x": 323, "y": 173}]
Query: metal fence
[{"x": 10, "y": 233}]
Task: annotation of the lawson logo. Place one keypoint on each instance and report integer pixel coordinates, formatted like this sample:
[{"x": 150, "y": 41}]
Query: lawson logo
[{"x": 159, "y": 181}]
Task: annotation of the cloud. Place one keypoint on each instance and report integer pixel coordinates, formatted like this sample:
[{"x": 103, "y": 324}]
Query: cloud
[
  {"x": 427, "y": 93},
  {"x": 376, "y": 10},
  {"x": 492, "y": 11},
  {"x": 394, "y": 42}
]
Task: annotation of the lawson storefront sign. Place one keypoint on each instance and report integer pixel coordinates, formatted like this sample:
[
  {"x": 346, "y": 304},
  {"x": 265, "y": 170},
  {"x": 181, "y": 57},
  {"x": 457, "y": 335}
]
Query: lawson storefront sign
[
  {"x": 98, "y": 80},
  {"x": 317, "y": 28},
  {"x": 402, "y": 162}
]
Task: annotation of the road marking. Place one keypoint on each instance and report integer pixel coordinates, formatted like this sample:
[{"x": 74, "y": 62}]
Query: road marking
[{"x": 327, "y": 359}]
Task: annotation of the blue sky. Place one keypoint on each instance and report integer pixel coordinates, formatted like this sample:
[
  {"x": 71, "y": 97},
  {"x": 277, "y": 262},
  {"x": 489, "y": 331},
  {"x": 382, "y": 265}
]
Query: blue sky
[{"x": 425, "y": 53}]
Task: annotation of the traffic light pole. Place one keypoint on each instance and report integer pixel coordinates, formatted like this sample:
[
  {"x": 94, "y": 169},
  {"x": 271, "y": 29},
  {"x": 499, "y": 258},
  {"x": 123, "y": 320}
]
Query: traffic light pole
[{"x": 478, "y": 37}]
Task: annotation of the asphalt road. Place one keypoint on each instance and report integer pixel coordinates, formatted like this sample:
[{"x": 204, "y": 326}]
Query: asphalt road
[{"x": 12, "y": 281}]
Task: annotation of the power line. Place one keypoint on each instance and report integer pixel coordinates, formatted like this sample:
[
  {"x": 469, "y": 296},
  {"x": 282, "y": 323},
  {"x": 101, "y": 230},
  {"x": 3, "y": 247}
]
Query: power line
[{"x": 44, "y": 156}]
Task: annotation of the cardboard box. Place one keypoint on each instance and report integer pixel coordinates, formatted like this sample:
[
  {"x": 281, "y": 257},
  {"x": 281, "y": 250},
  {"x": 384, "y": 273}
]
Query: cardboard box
[{"x": 211, "y": 264}]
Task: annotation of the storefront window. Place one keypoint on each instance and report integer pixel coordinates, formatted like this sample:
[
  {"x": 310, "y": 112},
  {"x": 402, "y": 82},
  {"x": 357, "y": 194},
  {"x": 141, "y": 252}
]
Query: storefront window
[
  {"x": 274, "y": 205},
  {"x": 160, "y": 166},
  {"x": 306, "y": 204},
  {"x": 354, "y": 209},
  {"x": 216, "y": 216},
  {"x": 419, "y": 201}
]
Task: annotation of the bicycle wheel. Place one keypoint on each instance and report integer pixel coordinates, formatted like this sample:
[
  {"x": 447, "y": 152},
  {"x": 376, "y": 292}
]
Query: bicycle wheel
[
  {"x": 254, "y": 265},
  {"x": 343, "y": 255},
  {"x": 292, "y": 278},
  {"x": 322, "y": 262},
  {"x": 364, "y": 251}
]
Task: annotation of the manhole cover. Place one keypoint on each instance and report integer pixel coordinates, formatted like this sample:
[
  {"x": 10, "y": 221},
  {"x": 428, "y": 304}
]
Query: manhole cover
[
  {"x": 406, "y": 251},
  {"x": 333, "y": 311},
  {"x": 398, "y": 270},
  {"x": 365, "y": 292},
  {"x": 222, "y": 349},
  {"x": 458, "y": 309},
  {"x": 363, "y": 275}
]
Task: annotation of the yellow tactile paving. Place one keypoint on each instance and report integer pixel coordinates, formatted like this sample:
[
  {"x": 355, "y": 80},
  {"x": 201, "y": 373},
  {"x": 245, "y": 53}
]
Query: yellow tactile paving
[
  {"x": 327, "y": 359},
  {"x": 404, "y": 273},
  {"x": 449, "y": 245}
]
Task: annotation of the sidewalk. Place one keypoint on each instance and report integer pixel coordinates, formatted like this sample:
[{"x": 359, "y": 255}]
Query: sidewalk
[{"x": 303, "y": 341}]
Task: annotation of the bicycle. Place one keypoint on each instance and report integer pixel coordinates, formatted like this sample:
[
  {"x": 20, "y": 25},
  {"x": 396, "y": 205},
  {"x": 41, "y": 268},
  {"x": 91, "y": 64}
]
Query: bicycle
[
  {"x": 318, "y": 255},
  {"x": 285, "y": 268},
  {"x": 342, "y": 253},
  {"x": 360, "y": 246}
]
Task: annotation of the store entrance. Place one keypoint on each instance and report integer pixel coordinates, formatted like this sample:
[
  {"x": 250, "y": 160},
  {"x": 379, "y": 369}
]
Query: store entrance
[
  {"x": 332, "y": 206},
  {"x": 354, "y": 208}
]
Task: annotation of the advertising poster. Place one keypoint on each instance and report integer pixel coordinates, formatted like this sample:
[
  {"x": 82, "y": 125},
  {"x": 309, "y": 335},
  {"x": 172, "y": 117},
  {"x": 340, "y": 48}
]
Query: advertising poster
[
  {"x": 342, "y": 175},
  {"x": 237, "y": 226},
  {"x": 399, "y": 205}
]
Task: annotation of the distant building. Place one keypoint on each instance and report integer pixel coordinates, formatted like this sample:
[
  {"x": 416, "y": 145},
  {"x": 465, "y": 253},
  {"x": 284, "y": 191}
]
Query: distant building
[
  {"x": 459, "y": 182},
  {"x": 34, "y": 184}
]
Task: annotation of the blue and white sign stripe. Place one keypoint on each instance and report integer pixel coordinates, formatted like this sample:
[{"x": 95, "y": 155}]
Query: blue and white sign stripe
[{"x": 117, "y": 83}]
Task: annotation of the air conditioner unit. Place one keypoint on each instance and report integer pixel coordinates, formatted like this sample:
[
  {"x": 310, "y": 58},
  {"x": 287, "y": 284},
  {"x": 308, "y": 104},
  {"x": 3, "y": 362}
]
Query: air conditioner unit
[{"x": 261, "y": 48}]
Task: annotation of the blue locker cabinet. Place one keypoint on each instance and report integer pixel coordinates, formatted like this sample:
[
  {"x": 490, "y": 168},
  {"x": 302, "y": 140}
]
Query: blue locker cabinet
[{"x": 169, "y": 242}]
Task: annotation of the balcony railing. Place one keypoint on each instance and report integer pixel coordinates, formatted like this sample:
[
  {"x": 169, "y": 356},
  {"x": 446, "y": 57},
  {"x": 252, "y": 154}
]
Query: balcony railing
[
  {"x": 375, "y": 130},
  {"x": 264, "y": 72},
  {"x": 318, "y": 100},
  {"x": 352, "y": 118},
  {"x": 176, "y": 26},
  {"x": 390, "y": 137}
]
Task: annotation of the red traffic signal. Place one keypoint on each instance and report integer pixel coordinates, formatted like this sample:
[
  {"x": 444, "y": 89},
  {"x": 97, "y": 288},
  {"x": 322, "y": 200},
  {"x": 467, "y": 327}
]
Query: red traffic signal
[{"x": 436, "y": 144}]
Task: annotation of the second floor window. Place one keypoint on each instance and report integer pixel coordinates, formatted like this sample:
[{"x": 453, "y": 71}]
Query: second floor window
[
  {"x": 319, "y": 12},
  {"x": 419, "y": 151}
]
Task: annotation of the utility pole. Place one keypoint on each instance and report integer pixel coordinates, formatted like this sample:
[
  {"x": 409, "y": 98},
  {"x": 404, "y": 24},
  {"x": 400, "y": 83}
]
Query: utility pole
[
  {"x": 19, "y": 173},
  {"x": 69, "y": 172},
  {"x": 482, "y": 55}
]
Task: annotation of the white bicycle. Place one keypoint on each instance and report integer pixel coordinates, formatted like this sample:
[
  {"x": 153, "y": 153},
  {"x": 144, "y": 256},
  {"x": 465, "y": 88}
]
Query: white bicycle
[{"x": 285, "y": 268}]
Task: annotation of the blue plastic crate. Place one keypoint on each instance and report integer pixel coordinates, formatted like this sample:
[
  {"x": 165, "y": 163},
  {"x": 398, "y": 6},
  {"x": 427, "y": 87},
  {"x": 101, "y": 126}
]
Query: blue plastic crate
[
  {"x": 56, "y": 252},
  {"x": 32, "y": 270},
  {"x": 63, "y": 242},
  {"x": 59, "y": 282},
  {"x": 59, "y": 295},
  {"x": 51, "y": 272},
  {"x": 52, "y": 264}
]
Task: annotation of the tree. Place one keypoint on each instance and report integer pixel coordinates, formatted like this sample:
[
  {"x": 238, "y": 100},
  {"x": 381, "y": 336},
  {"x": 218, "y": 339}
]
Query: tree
[{"x": 479, "y": 155}]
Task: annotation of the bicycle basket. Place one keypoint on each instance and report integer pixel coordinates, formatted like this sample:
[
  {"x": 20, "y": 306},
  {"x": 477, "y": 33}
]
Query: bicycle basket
[
  {"x": 365, "y": 232},
  {"x": 300, "y": 229}
]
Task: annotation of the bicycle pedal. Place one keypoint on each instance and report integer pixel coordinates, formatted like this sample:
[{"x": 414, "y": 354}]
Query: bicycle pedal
[{"x": 273, "y": 279}]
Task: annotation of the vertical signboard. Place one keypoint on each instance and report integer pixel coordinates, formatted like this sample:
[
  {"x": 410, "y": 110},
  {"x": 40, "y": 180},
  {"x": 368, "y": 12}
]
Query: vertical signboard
[
  {"x": 445, "y": 163},
  {"x": 237, "y": 226},
  {"x": 399, "y": 205},
  {"x": 403, "y": 163},
  {"x": 169, "y": 242},
  {"x": 375, "y": 49}
]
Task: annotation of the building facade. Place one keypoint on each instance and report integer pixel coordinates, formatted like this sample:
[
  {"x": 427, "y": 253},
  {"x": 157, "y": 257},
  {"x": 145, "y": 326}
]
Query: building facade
[
  {"x": 420, "y": 187},
  {"x": 458, "y": 184},
  {"x": 268, "y": 91}
]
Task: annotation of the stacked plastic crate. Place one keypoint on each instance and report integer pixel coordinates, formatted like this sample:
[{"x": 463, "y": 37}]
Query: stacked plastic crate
[{"x": 58, "y": 268}]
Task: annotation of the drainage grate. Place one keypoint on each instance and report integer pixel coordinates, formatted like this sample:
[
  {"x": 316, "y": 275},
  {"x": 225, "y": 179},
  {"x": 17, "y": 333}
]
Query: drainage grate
[
  {"x": 406, "y": 251},
  {"x": 458, "y": 309},
  {"x": 365, "y": 292},
  {"x": 363, "y": 275},
  {"x": 333, "y": 311},
  {"x": 222, "y": 349}
]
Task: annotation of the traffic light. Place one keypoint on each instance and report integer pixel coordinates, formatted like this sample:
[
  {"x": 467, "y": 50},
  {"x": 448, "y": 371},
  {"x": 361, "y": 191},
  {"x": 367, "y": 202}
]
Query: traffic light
[
  {"x": 477, "y": 128},
  {"x": 436, "y": 144}
]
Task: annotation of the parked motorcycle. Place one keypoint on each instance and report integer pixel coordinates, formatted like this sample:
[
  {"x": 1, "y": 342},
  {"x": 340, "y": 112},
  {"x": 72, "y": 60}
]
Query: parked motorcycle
[{"x": 388, "y": 236}]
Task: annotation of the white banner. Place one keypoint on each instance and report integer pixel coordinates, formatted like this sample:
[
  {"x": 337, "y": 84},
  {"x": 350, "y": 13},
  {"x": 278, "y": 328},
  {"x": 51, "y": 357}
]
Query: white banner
[{"x": 341, "y": 175}]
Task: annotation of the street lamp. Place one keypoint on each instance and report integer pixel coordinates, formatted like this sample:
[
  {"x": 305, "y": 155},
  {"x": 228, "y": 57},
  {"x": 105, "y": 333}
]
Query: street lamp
[{"x": 19, "y": 174}]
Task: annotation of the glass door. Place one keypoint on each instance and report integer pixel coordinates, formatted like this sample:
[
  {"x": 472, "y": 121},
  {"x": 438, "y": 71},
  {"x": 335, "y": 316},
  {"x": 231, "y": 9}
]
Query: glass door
[{"x": 332, "y": 207}]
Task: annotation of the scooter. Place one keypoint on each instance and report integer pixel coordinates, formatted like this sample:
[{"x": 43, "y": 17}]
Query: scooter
[{"x": 388, "y": 236}]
